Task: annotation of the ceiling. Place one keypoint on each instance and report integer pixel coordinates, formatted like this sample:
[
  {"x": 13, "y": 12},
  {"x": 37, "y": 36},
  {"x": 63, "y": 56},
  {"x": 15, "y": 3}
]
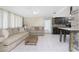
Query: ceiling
[{"x": 30, "y": 11}]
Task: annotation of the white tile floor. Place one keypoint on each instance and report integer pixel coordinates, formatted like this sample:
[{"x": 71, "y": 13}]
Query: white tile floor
[{"x": 47, "y": 43}]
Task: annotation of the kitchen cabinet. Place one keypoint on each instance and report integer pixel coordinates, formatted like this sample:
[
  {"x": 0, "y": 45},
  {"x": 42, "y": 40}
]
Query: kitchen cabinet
[
  {"x": 75, "y": 19},
  {"x": 74, "y": 8}
]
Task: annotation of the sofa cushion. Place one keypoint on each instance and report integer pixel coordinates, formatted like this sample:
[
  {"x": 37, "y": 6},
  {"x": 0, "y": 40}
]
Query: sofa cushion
[
  {"x": 14, "y": 38},
  {"x": 13, "y": 31}
]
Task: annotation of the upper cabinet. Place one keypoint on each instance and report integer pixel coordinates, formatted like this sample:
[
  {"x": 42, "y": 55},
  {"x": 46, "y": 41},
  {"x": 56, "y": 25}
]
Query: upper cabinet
[
  {"x": 65, "y": 12},
  {"x": 74, "y": 8},
  {"x": 75, "y": 17}
]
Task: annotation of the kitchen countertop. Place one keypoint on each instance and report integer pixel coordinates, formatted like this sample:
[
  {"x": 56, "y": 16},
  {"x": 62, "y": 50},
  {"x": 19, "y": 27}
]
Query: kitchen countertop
[
  {"x": 57, "y": 25},
  {"x": 69, "y": 29}
]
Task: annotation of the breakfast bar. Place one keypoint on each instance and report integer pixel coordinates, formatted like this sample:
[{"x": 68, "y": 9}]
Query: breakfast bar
[{"x": 73, "y": 31}]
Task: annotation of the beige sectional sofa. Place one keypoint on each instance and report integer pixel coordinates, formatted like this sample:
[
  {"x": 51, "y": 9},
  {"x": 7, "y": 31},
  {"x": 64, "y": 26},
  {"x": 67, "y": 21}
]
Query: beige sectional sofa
[
  {"x": 37, "y": 31},
  {"x": 10, "y": 38}
]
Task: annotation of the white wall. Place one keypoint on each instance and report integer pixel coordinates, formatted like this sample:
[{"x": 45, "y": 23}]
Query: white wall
[
  {"x": 39, "y": 21},
  {"x": 34, "y": 21}
]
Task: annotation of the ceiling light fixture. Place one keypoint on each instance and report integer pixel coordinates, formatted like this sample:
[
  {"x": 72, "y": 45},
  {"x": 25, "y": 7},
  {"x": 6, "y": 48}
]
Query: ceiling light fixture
[{"x": 35, "y": 12}]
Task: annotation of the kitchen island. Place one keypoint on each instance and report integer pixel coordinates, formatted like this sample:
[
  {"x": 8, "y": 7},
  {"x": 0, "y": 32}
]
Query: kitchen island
[{"x": 73, "y": 31}]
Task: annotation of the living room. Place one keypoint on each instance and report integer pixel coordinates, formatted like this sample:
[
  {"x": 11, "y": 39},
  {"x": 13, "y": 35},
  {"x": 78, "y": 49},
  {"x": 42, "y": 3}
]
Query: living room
[{"x": 37, "y": 28}]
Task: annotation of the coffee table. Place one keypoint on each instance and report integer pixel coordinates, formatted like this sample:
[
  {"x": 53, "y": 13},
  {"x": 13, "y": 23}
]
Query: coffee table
[{"x": 31, "y": 40}]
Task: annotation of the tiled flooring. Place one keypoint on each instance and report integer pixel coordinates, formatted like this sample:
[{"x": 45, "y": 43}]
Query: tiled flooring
[{"x": 47, "y": 43}]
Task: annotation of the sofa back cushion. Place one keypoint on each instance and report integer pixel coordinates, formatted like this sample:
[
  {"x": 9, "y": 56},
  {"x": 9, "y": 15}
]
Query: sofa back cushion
[
  {"x": 37, "y": 28},
  {"x": 5, "y": 33},
  {"x": 21, "y": 29},
  {"x": 13, "y": 31},
  {"x": 10, "y": 31}
]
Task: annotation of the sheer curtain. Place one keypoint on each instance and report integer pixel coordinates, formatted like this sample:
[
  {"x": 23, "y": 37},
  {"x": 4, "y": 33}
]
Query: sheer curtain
[
  {"x": 20, "y": 22},
  {"x": 15, "y": 21},
  {"x": 10, "y": 20},
  {"x": 5, "y": 19}
]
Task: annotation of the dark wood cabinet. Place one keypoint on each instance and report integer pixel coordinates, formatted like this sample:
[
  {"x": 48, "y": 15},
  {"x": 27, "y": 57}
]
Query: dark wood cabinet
[{"x": 60, "y": 22}]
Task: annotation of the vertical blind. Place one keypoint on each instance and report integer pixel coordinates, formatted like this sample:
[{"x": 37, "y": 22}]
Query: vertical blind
[{"x": 10, "y": 20}]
